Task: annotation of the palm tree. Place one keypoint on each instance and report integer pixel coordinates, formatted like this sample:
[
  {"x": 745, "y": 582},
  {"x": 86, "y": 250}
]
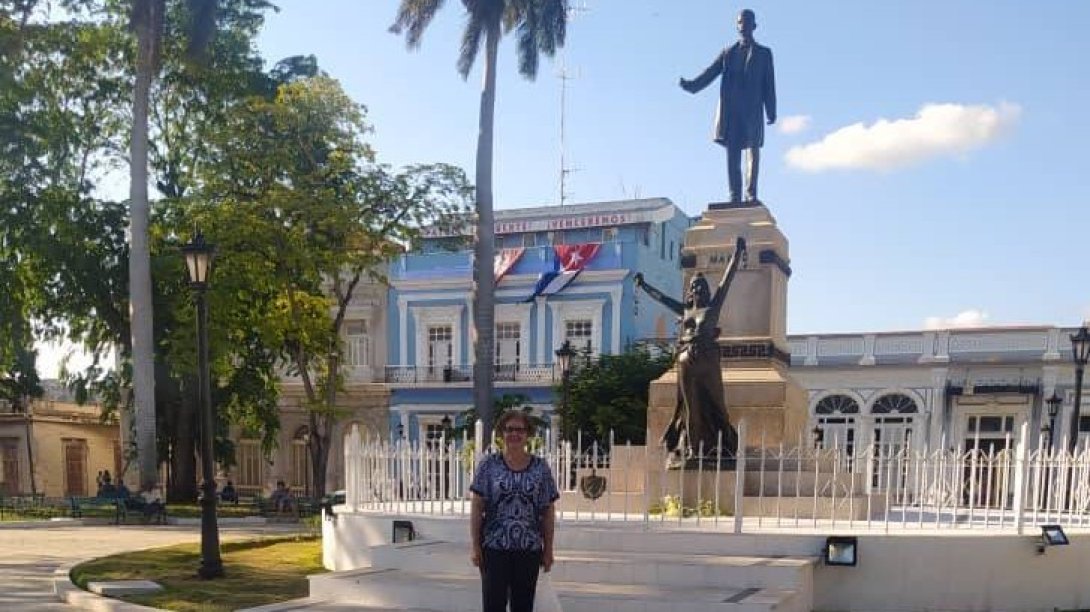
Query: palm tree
[
  {"x": 540, "y": 26},
  {"x": 147, "y": 21}
]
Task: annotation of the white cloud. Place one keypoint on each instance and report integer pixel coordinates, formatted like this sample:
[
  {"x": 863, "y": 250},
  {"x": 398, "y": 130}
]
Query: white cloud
[
  {"x": 936, "y": 130},
  {"x": 794, "y": 124},
  {"x": 966, "y": 318}
]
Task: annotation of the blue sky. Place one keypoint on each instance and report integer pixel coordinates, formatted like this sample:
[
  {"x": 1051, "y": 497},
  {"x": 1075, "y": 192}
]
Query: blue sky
[
  {"x": 991, "y": 223},
  {"x": 977, "y": 207}
]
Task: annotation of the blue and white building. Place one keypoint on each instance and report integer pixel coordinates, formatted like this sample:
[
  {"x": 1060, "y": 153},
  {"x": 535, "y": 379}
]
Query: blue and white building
[{"x": 430, "y": 361}]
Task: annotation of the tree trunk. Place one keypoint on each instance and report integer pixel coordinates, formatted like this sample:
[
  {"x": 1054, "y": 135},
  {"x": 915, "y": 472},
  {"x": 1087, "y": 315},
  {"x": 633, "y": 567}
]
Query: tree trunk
[
  {"x": 140, "y": 296},
  {"x": 319, "y": 454},
  {"x": 183, "y": 467},
  {"x": 484, "y": 295}
]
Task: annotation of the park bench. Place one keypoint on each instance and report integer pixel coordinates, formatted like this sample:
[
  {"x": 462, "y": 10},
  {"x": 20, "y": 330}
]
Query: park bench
[
  {"x": 137, "y": 504},
  {"x": 79, "y": 505}
]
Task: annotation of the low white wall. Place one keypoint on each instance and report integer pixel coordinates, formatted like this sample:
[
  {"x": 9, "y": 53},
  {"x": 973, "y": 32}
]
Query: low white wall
[
  {"x": 951, "y": 570},
  {"x": 348, "y": 538},
  {"x": 957, "y": 571}
]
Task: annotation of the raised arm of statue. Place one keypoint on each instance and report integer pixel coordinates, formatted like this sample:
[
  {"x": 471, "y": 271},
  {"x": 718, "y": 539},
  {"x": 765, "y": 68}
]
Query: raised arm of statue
[
  {"x": 728, "y": 275},
  {"x": 677, "y": 307},
  {"x": 705, "y": 77}
]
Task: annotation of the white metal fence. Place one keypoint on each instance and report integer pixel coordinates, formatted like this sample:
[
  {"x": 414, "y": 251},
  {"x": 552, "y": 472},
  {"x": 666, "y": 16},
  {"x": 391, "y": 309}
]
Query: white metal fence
[{"x": 1002, "y": 485}]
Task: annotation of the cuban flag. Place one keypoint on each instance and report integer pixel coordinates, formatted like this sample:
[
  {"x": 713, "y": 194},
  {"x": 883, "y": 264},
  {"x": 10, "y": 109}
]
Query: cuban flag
[
  {"x": 504, "y": 260},
  {"x": 568, "y": 261}
]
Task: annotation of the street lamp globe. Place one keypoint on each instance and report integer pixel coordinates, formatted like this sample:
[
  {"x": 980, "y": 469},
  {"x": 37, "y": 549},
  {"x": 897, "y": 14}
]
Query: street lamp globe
[
  {"x": 198, "y": 261},
  {"x": 564, "y": 356},
  {"x": 1080, "y": 346},
  {"x": 1054, "y": 404}
]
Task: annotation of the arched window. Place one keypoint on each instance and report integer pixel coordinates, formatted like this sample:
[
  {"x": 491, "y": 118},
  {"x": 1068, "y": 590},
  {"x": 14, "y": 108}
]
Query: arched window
[
  {"x": 892, "y": 435},
  {"x": 837, "y": 404},
  {"x": 835, "y": 426},
  {"x": 894, "y": 403}
]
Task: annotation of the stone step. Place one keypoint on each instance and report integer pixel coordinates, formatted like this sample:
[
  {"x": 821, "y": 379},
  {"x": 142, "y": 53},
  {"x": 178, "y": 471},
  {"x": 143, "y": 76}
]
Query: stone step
[
  {"x": 694, "y": 539},
  {"x": 400, "y": 589},
  {"x": 611, "y": 567}
]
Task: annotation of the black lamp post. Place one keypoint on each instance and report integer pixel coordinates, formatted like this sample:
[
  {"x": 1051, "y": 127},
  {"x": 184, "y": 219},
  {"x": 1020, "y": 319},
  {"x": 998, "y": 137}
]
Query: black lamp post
[
  {"x": 446, "y": 425},
  {"x": 1080, "y": 353},
  {"x": 198, "y": 260},
  {"x": 1054, "y": 404},
  {"x": 564, "y": 356}
]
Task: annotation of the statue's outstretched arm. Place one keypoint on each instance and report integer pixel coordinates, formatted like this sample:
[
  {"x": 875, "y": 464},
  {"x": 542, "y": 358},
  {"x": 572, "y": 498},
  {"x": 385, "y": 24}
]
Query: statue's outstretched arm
[
  {"x": 706, "y": 77},
  {"x": 677, "y": 307},
  {"x": 728, "y": 274}
]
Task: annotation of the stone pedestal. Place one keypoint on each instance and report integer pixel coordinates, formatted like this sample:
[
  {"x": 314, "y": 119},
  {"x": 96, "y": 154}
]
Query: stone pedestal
[{"x": 753, "y": 339}]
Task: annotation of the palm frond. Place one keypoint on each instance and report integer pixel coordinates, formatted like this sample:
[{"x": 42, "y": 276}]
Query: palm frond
[
  {"x": 471, "y": 45},
  {"x": 413, "y": 17},
  {"x": 541, "y": 26}
]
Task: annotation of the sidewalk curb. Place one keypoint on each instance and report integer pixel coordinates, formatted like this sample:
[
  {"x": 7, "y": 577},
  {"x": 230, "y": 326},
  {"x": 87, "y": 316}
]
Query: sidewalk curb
[{"x": 67, "y": 592}]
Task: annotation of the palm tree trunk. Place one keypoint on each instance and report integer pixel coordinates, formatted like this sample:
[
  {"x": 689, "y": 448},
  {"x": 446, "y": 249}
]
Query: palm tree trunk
[
  {"x": 484, "y": 296},
  {"x": 140, "y": 300}
]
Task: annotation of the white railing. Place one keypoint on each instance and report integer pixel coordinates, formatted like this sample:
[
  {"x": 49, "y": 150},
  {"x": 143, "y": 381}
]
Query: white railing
[
  {"x": 463, "y": 373},
  {"x": 998, "y": 484}
]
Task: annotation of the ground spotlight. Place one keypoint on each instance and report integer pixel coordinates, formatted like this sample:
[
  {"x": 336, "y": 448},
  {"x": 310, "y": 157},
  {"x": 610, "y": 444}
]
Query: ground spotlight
[
  {"x": 1051, "y": 535},
  {"x": 842, "y": 550},
  {"x": 403, "y": 532}
]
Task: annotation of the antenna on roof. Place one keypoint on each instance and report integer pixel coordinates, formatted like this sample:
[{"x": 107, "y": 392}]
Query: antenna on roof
[{"x": 564, "y": 75}]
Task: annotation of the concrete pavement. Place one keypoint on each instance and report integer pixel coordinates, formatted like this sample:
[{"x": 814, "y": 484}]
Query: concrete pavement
[{"x": 31, "y": 552}]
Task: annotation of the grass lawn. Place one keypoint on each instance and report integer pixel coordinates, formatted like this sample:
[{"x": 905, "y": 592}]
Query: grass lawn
[{"x": 256, "y": 573}]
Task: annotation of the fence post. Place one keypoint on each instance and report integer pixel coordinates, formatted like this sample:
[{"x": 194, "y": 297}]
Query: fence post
[
  {"x": 1021, "y": 479},
  {"x": 740, "y": 476},
  {"x": 478, "y": 441}
]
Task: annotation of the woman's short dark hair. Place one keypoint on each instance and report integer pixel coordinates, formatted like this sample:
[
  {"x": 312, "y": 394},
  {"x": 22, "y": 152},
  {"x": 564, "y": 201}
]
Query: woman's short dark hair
[{"x": 511, "y": 415}]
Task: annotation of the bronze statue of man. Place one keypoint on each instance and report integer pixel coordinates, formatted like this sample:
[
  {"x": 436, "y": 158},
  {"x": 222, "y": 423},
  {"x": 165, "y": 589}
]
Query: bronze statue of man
[{"x": 747, "y": 91}]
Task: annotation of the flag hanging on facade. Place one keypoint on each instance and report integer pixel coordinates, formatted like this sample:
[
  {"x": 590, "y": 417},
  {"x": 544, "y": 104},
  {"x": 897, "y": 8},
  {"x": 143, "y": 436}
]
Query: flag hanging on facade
[
  {"x": 505, "y": 260},
  {"x": 568, "y": 261}
]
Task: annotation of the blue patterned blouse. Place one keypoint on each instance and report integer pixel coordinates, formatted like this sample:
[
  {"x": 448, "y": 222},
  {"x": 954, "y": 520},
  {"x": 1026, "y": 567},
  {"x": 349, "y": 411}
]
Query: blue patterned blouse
[{"x": 515, "y": 502}]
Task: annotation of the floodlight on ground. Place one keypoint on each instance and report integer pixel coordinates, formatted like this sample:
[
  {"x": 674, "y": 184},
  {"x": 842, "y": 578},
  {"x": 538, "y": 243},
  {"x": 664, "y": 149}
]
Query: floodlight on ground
[
  {"x": 842, "y": 551},
  {"x": 1051, "y": 535},
  {"x": 403, "y": 532}
]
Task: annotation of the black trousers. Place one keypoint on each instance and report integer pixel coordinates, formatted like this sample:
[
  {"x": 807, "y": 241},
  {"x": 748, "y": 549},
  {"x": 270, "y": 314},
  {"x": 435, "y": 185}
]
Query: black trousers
[{"x": 509, "y": 576}]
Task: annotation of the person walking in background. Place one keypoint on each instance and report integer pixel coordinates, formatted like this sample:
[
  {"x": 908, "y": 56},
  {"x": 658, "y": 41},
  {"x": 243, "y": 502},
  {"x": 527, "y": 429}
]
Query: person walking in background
[{"x": 512, "y": 518}]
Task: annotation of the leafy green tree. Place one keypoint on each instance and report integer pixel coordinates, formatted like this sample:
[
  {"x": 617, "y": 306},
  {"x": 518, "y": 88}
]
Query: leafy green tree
[
  {"x": 319, "y": 216},
  {"x": 540, "y": 26},
  {"x": 148, "y": 19},
  {"x": 609, "y": 393},
  {"x": 63, "y": 121}
]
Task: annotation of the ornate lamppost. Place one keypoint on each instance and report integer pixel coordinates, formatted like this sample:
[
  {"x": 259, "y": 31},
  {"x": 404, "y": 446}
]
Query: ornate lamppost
[
  {"x": 1080, "y": 353},
  {"x": 564, "y": 356},
  {"x": 198, "y": 260}
]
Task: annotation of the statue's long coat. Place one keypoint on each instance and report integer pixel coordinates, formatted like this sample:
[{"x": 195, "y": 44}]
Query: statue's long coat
[{"x": 747, "y": 87}]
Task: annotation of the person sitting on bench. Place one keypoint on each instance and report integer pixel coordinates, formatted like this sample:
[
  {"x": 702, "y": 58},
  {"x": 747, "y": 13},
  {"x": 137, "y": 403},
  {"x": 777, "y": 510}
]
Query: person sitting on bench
[
  {"x": 281, "y": 498},
  {"x": 228, "y": 494}
]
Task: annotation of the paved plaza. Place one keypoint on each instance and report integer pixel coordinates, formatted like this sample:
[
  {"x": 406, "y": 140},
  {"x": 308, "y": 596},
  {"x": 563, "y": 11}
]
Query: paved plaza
[{"x": 32, "y": 553}]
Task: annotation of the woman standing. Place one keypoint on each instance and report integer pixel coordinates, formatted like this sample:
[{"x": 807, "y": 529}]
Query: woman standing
[{"x": 512, "y": 518}]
